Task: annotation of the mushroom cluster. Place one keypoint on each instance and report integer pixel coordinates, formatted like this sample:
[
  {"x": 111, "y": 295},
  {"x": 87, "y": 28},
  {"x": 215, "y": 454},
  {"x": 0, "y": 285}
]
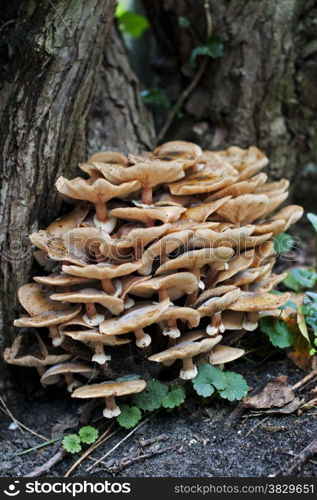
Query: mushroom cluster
[{"x": 166, "y": 258}]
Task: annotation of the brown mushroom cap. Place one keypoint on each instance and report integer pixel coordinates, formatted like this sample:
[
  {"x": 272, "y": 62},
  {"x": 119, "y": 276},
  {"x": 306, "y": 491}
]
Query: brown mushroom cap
[
  {"x": 61, "y": 279},
  {"x": 94, "y": 336},
  {"x": 247, "y": 161},
  {"x": 290, "y": 214},
  {"x": 244, "y": 209},
  {"x": 90, "y": 295},
  {"x": 233, "y": 237},
  {"x": 251, "y": 301},
  {"x": 239, "y": 263},
  {"x": 109, "y": 157},
  {"x": 183, "y": 313},
  {"x": 52, "y": 375},
  {"x": 103, "y": 270},
  {"x": 238, "y": 188},
  {"x": 137, "y": 317},
  {"x": 197, "y": 259},
  {"x": 176, "y": 284},
  {"x": 109, "y": 388},
  {"x": 185, "y": 350},
  {"x": 48, "y": 318},
  {"x": 201, "y": 212},
  {"x": 217, "y": 302},
  {"x": 41, "y": 357},
  {"x": 224, "y": 354},
  {"x": 95, "y": 191},
  {"x": 164, "y": 214},
  {"x": 186, "y": 152},
  {"x": 138, "y": 236}
]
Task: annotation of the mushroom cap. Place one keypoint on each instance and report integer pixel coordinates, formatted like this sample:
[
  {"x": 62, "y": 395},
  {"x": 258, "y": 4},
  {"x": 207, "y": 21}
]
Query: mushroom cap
[
  {"x": 63, "y": 224},
  {"x": 94, "y": 190},
  {"x": 238, "y": 263},
  {"x": 213, "y": 292},
  {"x": 103, "y": 270},
  {"x": 197, "y": 259},
  {"x": 247, "y": 161},
  {"x": 290, "y": 214},
  {"x": 109, "y": 157},
  {"x": 224, "y": 354},
  {"x": 252, "y": 301},
  {"x": 164, "y": 214},
  {"x": 85, "y": 241},
  {"x": 273, "y": 187},
  {"x": 51, "y": 376},
  {"x": 239, "y": 188},
  {"x": 274, "y": 201},
  {"x": 270, "y": 226},
  {"x": 185, "y": 350},
  {"x": 109, "y": 388},
  {"x": 139, "y": 236},
  {"x": 218, "y": 302},
  {"x": 176, "y": 284},
  {"x": 262, "y": 253},
  {"x": 186, "y": 152},
  {"x": 202, "y": 211},
  {"x": 215, "y": 175},
  {"x": 137, "y": 317},
  {"x": 48, "y": 318},
  {"x": 94, "y": 336},
  {"x": 35, "y": 299},
  {"x": 42, "y": 356},
  {"x": 267, "y": 284},
  {"x": 244, "y": 209},
  {"x": 232, "y": 237},
  {"x": 184, "y": 313},
  {"x": 91, "y": 295},
  {"x": 149, "y": 173},
  {"x": 61, "y": 279}
]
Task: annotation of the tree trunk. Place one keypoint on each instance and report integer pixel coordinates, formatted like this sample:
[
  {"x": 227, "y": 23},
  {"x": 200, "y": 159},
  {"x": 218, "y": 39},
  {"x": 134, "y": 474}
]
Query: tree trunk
[
  {"x": 263, "y": 90},
  {"x": 52, "y": 55}
]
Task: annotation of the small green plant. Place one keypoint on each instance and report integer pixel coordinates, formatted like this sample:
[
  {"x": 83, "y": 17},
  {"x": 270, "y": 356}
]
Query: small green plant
[
  {"x": 155, "y": 97},
  {"x": 283, "y": 243},
  {"x": 230, "y": 385},
  {"x": 87, "y": 435},
  {"x": 131, "y": 23},
  {"x": 213, "y": 48},
  {"x": 129, "y": 416},
  {"x": 278, "y": 332}
]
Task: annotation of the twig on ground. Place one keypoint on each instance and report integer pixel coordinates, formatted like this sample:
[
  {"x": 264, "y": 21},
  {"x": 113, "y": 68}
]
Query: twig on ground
[
  {"x": 39, "y": 446},
  {"x": 102, "y": 439},
  {"x": 122, "y": 441},
  {"x": 38, "y": 471},
  {"x": 234, "y": 416},
  {"x": 125, "y": 462},
  {"x": 305, "y": 379},
  {"x": 189, "y": 89},
  {"x": 21, "y": 426},
  {"x": 148, "y": 442},
  {"x": 299, "y": 459},
  {"x": 255, "y": 426}
]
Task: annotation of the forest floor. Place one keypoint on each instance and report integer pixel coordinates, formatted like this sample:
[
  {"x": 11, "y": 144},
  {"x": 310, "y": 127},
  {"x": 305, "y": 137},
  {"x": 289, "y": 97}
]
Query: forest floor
[{"x": 198, "y": 440}]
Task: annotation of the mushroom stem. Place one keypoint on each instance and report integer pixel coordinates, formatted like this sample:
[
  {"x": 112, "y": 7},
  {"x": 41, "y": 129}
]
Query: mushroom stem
[
  {"x": 216, "y": 325},
  {"x": 193, "y": 296},
  {"x": 111, "y": 410},
  {"x": 138, "y": 249},
  {"x": 100, "y": 356},
  {"x": 40, "y": 370},
  {"x": 163, "y": 294},
  {"x": 107, "y": 286},
  {"x": 189, "y": 370},
  {"x": 70, "y": 381},
  {"x": 171, "y": 330},
  {"x": 92, "y": 317},
  {"x": 91, "y": 310},
  {"x": 250, "y": 321},
  {"x": 55, "y": 335},
  {"x": 147, "y": 195},
  {"x": 101, "y": 211},
  {"x": 142, "y": 339}
]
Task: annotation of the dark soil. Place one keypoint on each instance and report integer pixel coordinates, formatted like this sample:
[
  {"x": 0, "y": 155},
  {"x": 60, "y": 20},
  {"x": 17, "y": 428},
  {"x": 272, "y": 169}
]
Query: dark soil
[{"x": 203, "y": 445}]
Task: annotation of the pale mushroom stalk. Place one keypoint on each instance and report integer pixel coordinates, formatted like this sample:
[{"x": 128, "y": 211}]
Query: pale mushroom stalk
[
  {"x": 92, "y": 318},
  {"x": 189, "y": 370},
  {"x": 107, "y": 286},
  {"x": 250, "y": 321},
  {"x": 112, "y": 409},
  {"x": 56, "y": 336},
  {"x": 215, "y": 325},
  {"x": 169, "y": 328},
  {"x": 100, "y": 356},
  {"x": 71, "y": 382},
  {"x": 142, "y": 339},
  {"x": 101, "y": 211},
  {"x": 147, "y": 195}
]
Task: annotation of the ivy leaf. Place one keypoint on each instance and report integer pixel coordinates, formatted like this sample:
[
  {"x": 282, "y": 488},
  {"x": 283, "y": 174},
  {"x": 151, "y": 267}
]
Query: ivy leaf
[
  {"x": 175, "y": 397},
  {"x": 131, "y": 23},
  {"x": 183, "y": 22},
  {"x": 236, "y": 386},
  {"x": 71, "y": 443},
  {"x": 208, "y": 378},
  {"x": 88, "y": 434},
  {"x": 129, "y": 416},
  {"x": 152, "y": 396},
  {"x": 155, "y": 96},
  {"x": 283, "y": 243},
  {"x": 297, "y": 279},
  {"x": 310, "y": 309},
  {"x": 313, "y": 220},
  {"x": 213, "y": 49},
  {"x": 278, "y": 331}
]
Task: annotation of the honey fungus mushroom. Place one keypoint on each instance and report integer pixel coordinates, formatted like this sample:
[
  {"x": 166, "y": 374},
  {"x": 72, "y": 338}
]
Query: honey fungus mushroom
[
  {"x": 66, "y": 371},
  {"x": 186, "y": 351},
  {"x": 109, "y": 391}
]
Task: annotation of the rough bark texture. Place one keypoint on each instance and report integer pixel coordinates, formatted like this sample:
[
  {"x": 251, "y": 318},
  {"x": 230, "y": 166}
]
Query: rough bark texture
[
  {"x": 263, "y": 89},
  {"x": 51, "y": 58}
]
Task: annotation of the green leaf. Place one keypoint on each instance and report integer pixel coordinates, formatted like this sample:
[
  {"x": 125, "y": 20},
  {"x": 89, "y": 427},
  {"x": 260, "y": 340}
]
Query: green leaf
[
  {"x": 130, "y": 23},
  {"x": 151, "y": 397},
  {"x": 131, "y": 376},
  {"x": 183, "y": 22},
  {"x": 155, "y": 96},
  {"x": 129, "y": 416},
  {"x": 213, "y": 49},
  {"x": 208, "y": 378},
  {"x": 71, "y": 443},
  {"x": 175, "y": 397},
  {"x": 298, "y": 279},
  {"x": 289, "y": 304},
  {"x": 278, "y": 331},
  {"x": 313, "y": 220},
  {"x": 302, "y": 323},
  {"x": 283, "y": 243},
  {"x": 88, "y": 434},
  {"x": 310, "y": 309},
  {"x": 236, "y": 386}
]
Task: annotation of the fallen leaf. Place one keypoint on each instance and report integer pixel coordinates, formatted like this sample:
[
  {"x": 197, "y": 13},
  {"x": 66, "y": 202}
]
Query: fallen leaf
[
  {"x": 276, "y": 393},
  {"x": 287, "y": 409}
]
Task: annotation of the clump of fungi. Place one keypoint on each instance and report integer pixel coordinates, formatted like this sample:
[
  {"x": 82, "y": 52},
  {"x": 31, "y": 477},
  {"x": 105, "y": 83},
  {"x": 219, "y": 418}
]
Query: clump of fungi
[{"x": 166, "y": 258}]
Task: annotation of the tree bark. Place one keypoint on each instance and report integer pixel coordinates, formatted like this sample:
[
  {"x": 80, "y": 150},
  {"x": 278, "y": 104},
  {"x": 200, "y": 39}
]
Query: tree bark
[
  {"x": 51, "y": 58},
  {"x": 263, "y": 90}
]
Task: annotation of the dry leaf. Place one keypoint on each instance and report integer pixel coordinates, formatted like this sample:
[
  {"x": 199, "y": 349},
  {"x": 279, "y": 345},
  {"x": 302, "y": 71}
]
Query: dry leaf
[{"x": 276, "y": 393}]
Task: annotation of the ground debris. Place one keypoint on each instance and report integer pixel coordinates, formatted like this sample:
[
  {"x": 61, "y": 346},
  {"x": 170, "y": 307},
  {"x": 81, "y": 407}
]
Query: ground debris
[{"x": 276, "y": 394}]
